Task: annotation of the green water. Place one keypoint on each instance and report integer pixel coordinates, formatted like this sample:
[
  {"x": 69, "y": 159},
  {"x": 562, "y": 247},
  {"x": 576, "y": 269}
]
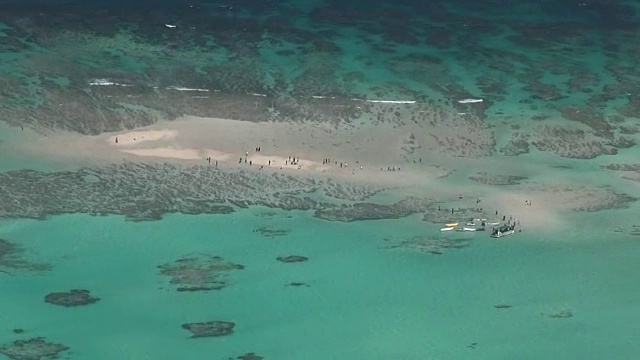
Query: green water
[{"x": 362, "y": 301}]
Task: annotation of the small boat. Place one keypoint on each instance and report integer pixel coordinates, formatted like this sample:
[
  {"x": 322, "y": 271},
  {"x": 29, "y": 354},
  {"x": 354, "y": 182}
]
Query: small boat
[
  {"x": 449, "y": 228},
  {"x": 504, "y": 231},
  {"x": 493, "y": 224},
  {"x": 451, "y": 224},
  {"x": 499, "y": 234},
  {"x": 468, "y": 229},
  {"x": 471, "y": 224}
]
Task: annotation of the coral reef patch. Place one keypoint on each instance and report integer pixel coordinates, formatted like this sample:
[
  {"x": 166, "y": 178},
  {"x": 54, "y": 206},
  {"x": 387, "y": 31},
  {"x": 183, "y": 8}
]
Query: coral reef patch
[
  {"x": 32, "y": 349},
  {"x": 292, "y": 258},
  {"x": 210, "y": 328},
  {"x": 199, "y": 272},
  {"x": 12, "y": 259},
  {"x": 74, "y": 297}
]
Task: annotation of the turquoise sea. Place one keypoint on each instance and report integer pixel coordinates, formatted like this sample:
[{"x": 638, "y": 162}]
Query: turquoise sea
[
  {"x": 369, "y": 289},
  {"x": 363, "y": 302}
]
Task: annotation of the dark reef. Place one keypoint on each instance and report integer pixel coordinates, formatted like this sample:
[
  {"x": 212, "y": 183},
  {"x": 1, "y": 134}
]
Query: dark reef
[
  {"x": 12, "y": 259},
  {"x": 248, "y": 356},
  {"x": 145, "y": 192},
  {"x": 560, "y": 314},
  {"x": 199, "y": 272},
  {"x": 292, "y": 258},
  {"x": 32, "y": 349},
  {"x": 74, "y": 297},
  {"x": 209, "y": 328}
]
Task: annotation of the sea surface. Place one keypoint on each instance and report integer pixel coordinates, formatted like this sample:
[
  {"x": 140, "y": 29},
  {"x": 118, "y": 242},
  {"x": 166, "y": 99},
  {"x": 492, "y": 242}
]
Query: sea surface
[{"x": 375, "y": 289}]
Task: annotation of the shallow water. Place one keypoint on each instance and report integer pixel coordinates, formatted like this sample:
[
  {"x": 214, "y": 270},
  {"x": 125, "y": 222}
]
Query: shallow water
[{"x": 363, "y": 301}]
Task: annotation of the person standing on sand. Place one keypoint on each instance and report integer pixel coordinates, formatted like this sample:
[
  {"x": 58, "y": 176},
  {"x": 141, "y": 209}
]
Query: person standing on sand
[{"x": 116, "y": 140}]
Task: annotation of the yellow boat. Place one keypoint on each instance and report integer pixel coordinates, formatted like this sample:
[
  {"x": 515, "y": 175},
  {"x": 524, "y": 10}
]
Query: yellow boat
[{"x": 452, "y": 224}]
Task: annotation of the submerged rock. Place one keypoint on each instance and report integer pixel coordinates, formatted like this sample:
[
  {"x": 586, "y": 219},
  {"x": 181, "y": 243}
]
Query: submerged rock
[
  {"x": 271, "y": 232},
  {"x": 32, "y": 349},
  {"x": 12, "y": 260},
  {"x": 292, "y": 258},
  {"x": 248, "y": 356},
  {"x": 200, "y": 272},
  {"x": 502, "y": 306},
  {"x": 427, "y": 244},
  {"x": 214, "y": 286},
  {"x": 560, "y": 314},
  {"x": 74, "y": 297},
  {"x": 209, "y": 328},
  {"x": 370, "y": 211},
  {"x": 497, "y": 179}
]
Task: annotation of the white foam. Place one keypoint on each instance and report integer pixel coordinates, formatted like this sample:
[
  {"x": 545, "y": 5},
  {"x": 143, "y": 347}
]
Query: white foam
[
  {"x": 392, "y": 101},
  {"x": 470, "y": 101},
  {"x": 180, "y": 88},
  {"x": 105, "y": 82},
  {"x": 256, "y": 94},
  {"x": 387, "y": 101}
]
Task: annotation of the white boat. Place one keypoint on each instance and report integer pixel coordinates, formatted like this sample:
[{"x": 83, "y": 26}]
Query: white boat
[
  {"x": 504, "y": 231},
  {"x": 451, "y": 224},
  {"x": 471, "y": 224},
  {"x": 449, "y": 228},
  {"x": 494, "y": 224},
  {"x": 468, "y": 229},
  {"x": 499, "y": 234}
]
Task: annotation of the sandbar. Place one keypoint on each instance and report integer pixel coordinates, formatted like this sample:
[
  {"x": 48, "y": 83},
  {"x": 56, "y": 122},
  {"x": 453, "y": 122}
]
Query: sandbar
[{"x": 399, "y": 158}]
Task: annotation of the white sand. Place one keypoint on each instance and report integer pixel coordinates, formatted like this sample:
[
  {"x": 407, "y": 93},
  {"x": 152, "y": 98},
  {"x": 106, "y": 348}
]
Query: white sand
[
  {"x": 541, "y": 214},
  {"x": 133, "y": 138},
  {"x": 231, "y": 142},
  {"x": 166, "y": 152}
]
